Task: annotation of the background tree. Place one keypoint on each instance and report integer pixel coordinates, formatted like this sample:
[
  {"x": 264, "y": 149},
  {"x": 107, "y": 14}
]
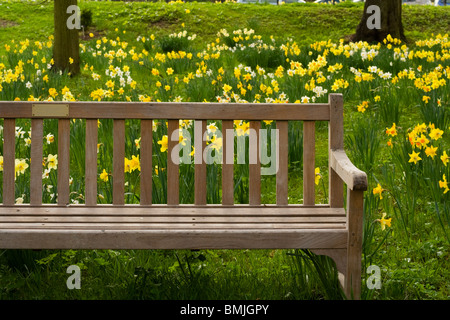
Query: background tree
[
  {"x": 390, "y": 18},
  {"x": 66, "y": 49}
]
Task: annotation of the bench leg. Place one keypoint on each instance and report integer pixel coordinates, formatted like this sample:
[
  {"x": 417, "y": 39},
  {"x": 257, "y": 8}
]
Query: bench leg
[{"x": 355, "y": 210}]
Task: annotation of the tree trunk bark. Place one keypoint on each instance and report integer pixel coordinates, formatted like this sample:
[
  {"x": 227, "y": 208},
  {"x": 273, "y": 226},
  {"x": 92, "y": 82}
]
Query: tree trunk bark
[
  {"x": 391, "y": 22},
  {"x": 66, "y": 49}
]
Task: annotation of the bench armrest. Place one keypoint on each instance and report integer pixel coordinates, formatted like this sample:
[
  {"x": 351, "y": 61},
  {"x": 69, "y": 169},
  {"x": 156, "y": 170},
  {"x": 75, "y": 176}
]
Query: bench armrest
[{"x": 354, "y": 178}]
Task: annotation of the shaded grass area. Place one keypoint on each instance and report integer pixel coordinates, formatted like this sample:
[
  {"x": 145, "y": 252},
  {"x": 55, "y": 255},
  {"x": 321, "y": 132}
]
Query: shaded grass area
[{"x": 164, "y": 274}]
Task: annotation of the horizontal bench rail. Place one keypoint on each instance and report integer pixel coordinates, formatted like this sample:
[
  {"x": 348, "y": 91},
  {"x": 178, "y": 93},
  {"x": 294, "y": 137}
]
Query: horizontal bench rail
[{"x": 167, "y": 110}]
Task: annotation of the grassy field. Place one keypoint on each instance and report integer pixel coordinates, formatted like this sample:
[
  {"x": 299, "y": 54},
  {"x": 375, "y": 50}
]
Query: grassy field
[{"x": 396, "y": 105}]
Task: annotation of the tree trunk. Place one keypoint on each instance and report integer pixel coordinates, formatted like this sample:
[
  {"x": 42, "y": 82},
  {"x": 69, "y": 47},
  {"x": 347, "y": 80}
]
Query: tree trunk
[
  {"x": 390, "y": 18},
  {"x": 66, "y": 49}
]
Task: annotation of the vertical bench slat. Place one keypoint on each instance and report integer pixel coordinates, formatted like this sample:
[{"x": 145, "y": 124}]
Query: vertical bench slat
[
  {"x": 119, "y": 161},
  {"x": 200, "y": 164},
  {"x": 255, "y": 165},
  {"x": 146, "y": 161},
  {"x": 63, "y": 161},
  {"x": 37, "y": 136},
  {"x": 91, "y": 162},
  {"x": 173, "y": 183},
  {"x": 336, "y": 141},
  {"x": 228, "y": 162},
  {"x": 9, "y": 154},
  {"x": 282, "y": 158},
  {"x": 309, "y": 156}
]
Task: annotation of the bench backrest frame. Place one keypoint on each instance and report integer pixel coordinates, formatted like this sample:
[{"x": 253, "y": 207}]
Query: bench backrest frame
[{"x": 172, "y": 112}]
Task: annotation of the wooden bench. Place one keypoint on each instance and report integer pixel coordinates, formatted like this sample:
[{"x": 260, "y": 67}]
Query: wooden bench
[{"x": 326, "y": 229}]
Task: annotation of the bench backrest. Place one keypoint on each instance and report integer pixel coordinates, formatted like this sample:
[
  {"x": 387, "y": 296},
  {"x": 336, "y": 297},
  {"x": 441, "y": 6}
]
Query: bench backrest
[{"x": 172, "y": 112}]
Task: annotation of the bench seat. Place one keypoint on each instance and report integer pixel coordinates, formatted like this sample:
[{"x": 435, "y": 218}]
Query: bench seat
[{"x": 176, "y": 227}]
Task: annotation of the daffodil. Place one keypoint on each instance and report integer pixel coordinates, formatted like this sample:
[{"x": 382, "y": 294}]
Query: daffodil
[
  {"x": 436, "y": 133},
  {"x": 164, "y": 143},
  {"x": 20, "y": 167},
  {"x": 242, "y": 128},
  {"x": 226, "y": 87},
  {"x": 104, "y": 176},
  {"x": 384, "y": 222},
  {"x": 445, "y": 158},
  {"x": 431, "y": 151},
  {"x": 216, "y": 143},
  {"x": 52, "y": 161},
  {"x": 414, "y": 157},
  {"x": 444, "y": 184},
  {"x": 378, "y": 190},
  {"x": 127, "y": 165},
  {"x": 212, "y": 128},
  {"x": 137, "y": 143},
  {"x": 392, "y": 131},
  {"x": 134, "y": 163},
  {"x": 317, "y": 175}
]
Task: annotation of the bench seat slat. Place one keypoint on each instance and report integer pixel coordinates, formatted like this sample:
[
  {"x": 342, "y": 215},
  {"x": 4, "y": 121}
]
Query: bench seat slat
[
  {"x": 180, "y": 219},
  {"x": 170, "y": 226},
  {"x": 155, "y": 210}
]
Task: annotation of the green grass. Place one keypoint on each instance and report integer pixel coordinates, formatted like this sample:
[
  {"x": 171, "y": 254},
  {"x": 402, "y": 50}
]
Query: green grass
[{"x": 305, "y": 22}]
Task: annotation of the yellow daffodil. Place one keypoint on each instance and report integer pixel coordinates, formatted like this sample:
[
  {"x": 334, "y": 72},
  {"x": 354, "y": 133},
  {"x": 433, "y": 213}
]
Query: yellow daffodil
[
  {"x": 444, "y": 184},
  {"x": 216, "y": 143},
  {"x": 20, "y": 167},
  {"x": 317, "y": 175},
  {"x": 52, "y": 161},
  {"x": 445, "y": 158},
  {"x": 384, "y": 222},
  {"x": 378, "y": 190},
  {"x": 226, "y": 87},
  {"x": 431, "y": 151},
  {"x": 392, "y": 131},
  {"x": 164, "y": 143},
  {"x": 242, "y": 128},
  {"x": 436, "y": 133},
  {"x": 137, "y": 143},
  {"x": 104, "y": 176},
  {"x": 134, "y": 163},
  {"x": 414, "y": 157}
]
